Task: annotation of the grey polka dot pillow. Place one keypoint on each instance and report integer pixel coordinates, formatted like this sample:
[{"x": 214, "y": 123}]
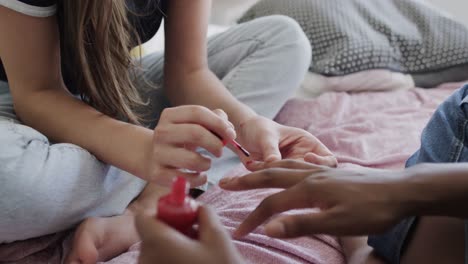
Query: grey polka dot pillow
[{"x": 353, "y": 35}]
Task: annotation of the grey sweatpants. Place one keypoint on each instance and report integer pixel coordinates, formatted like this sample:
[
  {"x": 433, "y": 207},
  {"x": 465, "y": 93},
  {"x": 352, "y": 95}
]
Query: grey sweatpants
[{"x": 46, "y": 188}]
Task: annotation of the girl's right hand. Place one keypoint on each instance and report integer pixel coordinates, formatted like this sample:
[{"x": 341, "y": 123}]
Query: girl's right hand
[{"x": 180, "y": 131}]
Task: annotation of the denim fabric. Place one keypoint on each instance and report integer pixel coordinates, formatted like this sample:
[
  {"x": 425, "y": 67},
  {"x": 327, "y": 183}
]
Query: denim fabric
[
  {"x": 443, "y": 140},
  {"x": 46, "y": 188}
]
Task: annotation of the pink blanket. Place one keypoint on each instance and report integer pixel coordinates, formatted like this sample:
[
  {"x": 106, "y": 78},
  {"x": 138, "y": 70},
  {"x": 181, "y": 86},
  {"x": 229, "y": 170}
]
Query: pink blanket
[{"x": 367, "y": 129}]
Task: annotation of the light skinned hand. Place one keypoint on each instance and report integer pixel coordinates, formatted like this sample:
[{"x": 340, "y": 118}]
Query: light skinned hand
[
  {"x": 163, "y": 244},
  {"x": 180, "y": 131},
  {"x": 351, "y": 202},
  {"x": 269, "y": 141}
]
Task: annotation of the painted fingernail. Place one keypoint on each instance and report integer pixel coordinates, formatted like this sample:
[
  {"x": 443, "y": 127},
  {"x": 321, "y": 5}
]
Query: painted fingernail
[
  {"x": 237, "y": 234},
  {"x": 249, "y": 162},
  {"x": 275, "y": 229},
  {"x": 224, "y": 181}
]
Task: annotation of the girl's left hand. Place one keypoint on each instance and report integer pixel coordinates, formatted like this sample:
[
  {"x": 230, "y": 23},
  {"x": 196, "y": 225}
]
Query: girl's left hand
[{"x": 269, "y": 141}]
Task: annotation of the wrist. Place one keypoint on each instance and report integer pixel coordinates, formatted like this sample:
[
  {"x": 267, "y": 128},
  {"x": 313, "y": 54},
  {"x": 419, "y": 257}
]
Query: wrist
[
  {"x": 244, "y": 119},
  {"x": 416, "y": 192},
  {"x": 143, "y": 140}
]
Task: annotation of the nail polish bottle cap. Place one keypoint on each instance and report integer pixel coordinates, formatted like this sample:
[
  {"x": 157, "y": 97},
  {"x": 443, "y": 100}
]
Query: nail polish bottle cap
[{"x": 179, "y": 191}]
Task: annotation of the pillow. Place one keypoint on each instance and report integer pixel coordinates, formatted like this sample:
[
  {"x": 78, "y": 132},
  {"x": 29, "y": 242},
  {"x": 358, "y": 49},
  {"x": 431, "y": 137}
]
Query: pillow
[
  {"x": 371, "y": 80},
  {"x": 349, "y": 36}
]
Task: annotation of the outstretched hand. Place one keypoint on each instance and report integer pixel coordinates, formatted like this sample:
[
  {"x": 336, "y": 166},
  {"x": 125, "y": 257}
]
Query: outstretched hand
[
  {"x": 269, "y": 141},
  {"x": 350, "y": 202}
]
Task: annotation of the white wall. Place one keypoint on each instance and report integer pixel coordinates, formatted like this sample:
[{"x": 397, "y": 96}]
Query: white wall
[
  {"x": 458, "y": 8},
  {"x": 227, "y": 11}
]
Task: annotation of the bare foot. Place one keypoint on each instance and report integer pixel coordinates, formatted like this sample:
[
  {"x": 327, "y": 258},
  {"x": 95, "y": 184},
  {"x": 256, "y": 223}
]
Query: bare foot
[{"x": 101, "y": 239}]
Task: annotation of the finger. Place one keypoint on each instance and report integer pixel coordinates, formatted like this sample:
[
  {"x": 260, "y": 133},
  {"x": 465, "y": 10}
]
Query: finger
[
  {"x": 192, "y": 135},
  {"x": 254, "y": 165},
  {"x": 269, "y": 178},
  {"x": 248, "y": 158},
  {"x": 199, "y": 115},
  {"x": 166, "y": 176},
  {"x": 270, "y": 149},
  {"x": 318, "y": 146},
  {"x": 329, "y": 161},
  {"x": 293, "y": 164},
  {"x": 210, "y": 227},
  {"x": 181, "y": 158},
  {"x": 223, "y": 115},
  {"x": 292, "y": 226},
  {"x": 276, "y": 203}
]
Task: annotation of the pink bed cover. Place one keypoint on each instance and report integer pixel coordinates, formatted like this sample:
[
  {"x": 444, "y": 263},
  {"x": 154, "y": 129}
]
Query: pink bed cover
[{"x": 379, "y": 130}]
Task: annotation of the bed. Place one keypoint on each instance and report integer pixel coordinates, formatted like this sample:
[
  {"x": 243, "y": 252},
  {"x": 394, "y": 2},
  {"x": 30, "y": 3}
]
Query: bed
[
  {"x": 370, "y": 117},
  {"x": 351, "y": 124}
]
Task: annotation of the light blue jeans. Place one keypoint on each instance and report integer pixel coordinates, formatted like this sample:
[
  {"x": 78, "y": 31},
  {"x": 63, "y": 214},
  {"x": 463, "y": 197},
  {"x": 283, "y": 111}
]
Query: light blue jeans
[{"x": 46, "y": 188}]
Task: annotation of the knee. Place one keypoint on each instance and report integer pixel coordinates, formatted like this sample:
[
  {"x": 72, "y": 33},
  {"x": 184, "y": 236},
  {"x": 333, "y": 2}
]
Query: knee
[
  {"x": 21, "y": 146},
  {"x": 289, "y": 39},
  {"x": 26, "y": 186},
  {"x": 460, "y": 100},
  {"x": 57, "y": 185},
  {"x": 444, "y": 137}
]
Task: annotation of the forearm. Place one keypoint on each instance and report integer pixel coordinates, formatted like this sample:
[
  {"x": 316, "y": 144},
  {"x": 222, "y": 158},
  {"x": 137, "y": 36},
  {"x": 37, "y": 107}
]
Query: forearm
[
  {"x": 188, "y": 79},
  {"x": 65, "y": 119},
  {"x": 436, "y": 189},
  {"x": 210, "y": 93}
]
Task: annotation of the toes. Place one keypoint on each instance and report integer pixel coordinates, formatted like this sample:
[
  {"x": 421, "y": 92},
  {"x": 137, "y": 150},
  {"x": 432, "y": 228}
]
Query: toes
[{"x": 84, "y": 250}]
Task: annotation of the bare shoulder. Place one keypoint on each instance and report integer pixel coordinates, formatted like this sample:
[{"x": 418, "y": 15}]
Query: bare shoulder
[{"x": 29, "y": 49}]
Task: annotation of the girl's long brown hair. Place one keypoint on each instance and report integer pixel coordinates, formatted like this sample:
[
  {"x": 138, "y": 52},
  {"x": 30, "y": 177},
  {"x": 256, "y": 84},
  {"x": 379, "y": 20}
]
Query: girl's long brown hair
[{"x": 96, "y": 40}]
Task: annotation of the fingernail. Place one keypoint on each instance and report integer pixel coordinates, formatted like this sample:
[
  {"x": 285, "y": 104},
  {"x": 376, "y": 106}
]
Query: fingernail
[
  {"x": 275, "y": 229},
  {"x": 224, "y": 142},
  {"x": 237, "y": 234},
  {"x": 249, "y": 162},
  {"x": 224, "y": 181},
  {"x": 231, "y": 133}
]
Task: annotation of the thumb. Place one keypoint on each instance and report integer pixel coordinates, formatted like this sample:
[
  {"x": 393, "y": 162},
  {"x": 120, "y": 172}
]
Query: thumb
[
  {"x": 270, "y": 149},
  {"x": 329, "y": 160},
  {"x": 210, "y": 229}
]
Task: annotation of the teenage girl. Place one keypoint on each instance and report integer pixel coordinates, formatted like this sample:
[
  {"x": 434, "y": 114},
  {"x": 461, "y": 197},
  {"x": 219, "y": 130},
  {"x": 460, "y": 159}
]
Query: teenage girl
[
  {"x": 413, "y": 216},
  {"x": 85, "y": 129}
]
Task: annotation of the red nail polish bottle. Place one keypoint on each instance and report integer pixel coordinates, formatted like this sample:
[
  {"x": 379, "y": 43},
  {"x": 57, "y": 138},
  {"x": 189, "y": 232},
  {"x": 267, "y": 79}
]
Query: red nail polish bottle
[{"x": 178, "y": 210}]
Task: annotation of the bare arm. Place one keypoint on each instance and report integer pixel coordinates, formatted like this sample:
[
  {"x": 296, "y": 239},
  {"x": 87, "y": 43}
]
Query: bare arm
[
  {"x": 352, "y": 201},
  {"x": 437, "y": 189},
  {"x": 30, "y": 52},
  {"x": 186, "y": 68}
]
